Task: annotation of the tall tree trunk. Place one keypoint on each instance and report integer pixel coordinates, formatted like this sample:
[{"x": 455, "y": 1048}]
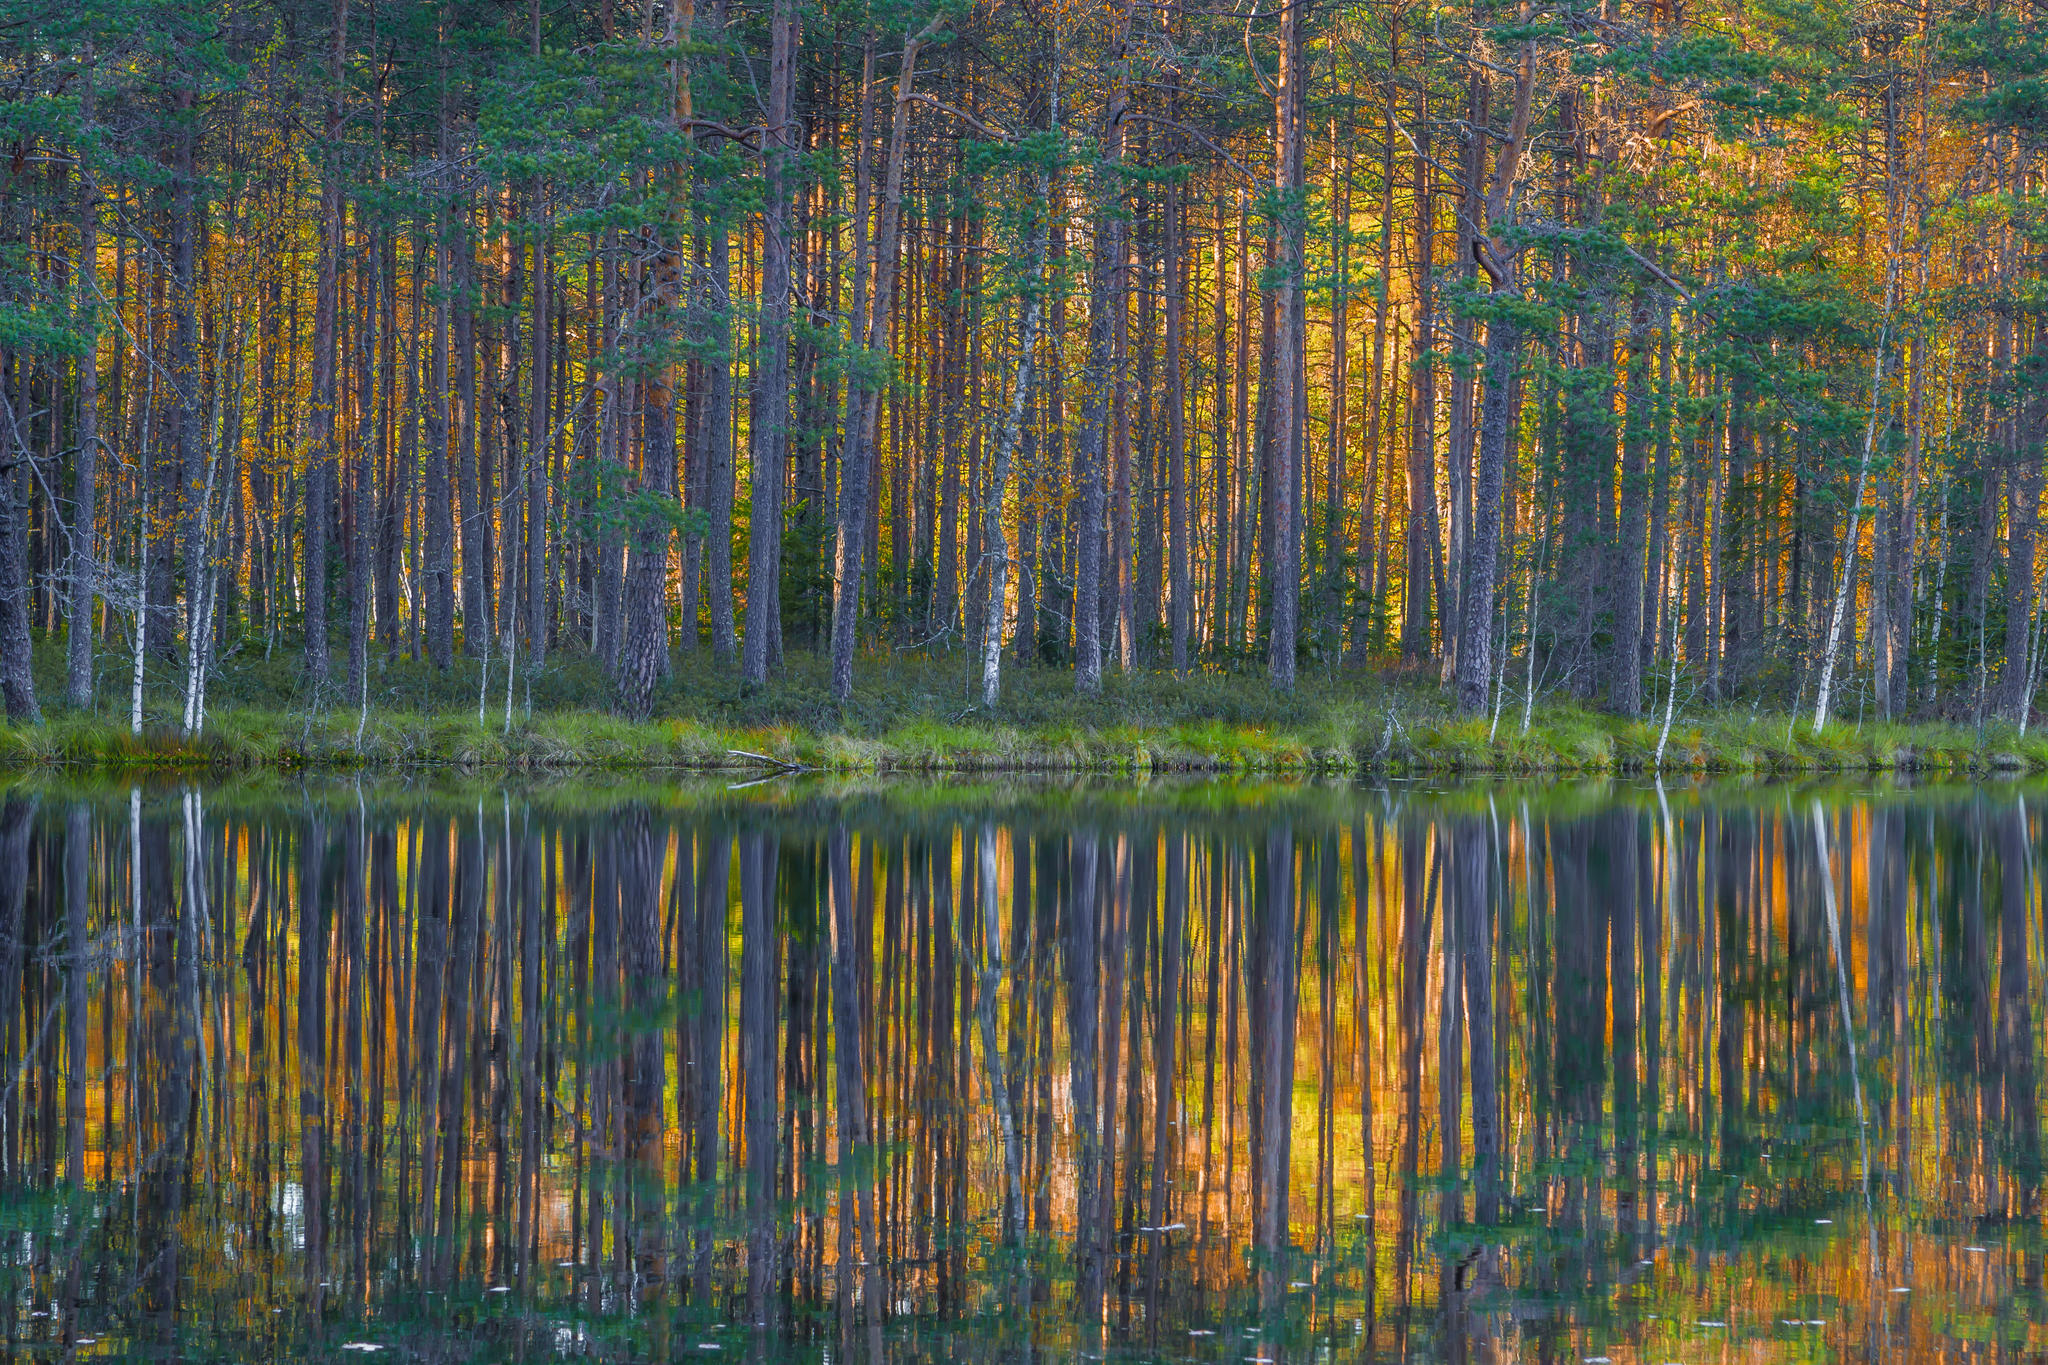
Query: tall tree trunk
[
  {"x": 768, "y": 425},
  {"x": 17, "y": 678},
  {"x": 319, "y": 476},
  {"x": 717, "y": 431},
  {"x": 1290, "y": 187},
  {"x": 1462, "y": 436},
  {"x": 1179, "y": 586},
  {"x": 362, "y": 470},
  {"x": 2023, "y": 512},
  {"x": 1417, "y": 596},
  {"x": 1496, "y": 421},
  {"x": 1482, "y": 560},
  {"x": 472, "y": 478},
  {"x": 864, "y": 395},
  {"x": 439, "y": 569},
  {"x": 1105, "y": 299},
  {"x": 83, "y": 566},
  {"x": 533, "y": 568},
  {"x": 1893, "y": 644},
  {"x": 994, "y": 548},
  {"x": 1625, "y": 684},
  {"x": 645, "y": 652},
  {"x": 1368, "y": 620},
  {"x": 1330, "y": 625}
]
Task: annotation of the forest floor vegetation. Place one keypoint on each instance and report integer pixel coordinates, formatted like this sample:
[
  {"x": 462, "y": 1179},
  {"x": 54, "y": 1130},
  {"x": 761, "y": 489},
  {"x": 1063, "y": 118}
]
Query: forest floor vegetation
[{"x": 915, "y": 715}]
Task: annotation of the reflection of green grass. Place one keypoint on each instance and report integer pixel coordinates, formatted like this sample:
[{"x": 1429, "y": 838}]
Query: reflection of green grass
[{"x": 917, "y": 716}]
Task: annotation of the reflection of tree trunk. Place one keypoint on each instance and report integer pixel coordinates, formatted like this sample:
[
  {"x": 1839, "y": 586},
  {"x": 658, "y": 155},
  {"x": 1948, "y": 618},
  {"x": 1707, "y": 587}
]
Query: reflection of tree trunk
[
  {"x": 647, "y": 987},
  {"x": 1046, "y": 887},
  {"x": 1165, "y": 1028},
  {"x": 1653, "y": 907},
  {"x": 496, "y": 1167},
  {"x": 1474, "y": 854},
  {"x": 1885, "y": 879},
  {"x": 355, "y": 1162},
  {"x": 1329, "y": 951},
  {"x": 1209, "y": 998},
  {"x": 1083, "y": 1014},
  {"x": 1364, "y": 861},
  {"x": 468, "y": 904},
  {"x": 531, "y": 1023},
  {"x": 985, "y": 993},
  {"x": 1622, "y": 833},
  {"x": 1888, "y": 1011},
  {"x": 1116, "y": 958},
  {"x": 1415, "y": 931},
  {"x": 1542, "y": 980},
  {"x": 162, "y": 1098},
  {"x": 1732, "y": 855},
  {"x": 2015, "y": 1009},
  {"x": 849, "y": 1047},
  {"x": 394, "y": 929},
  {"x": 427, "y": 886},
  {"x": 77, "y": 1059},
  {"x": 759, "y": 975},
  {"x": 1973, "y": 976},
  {"x": 1453, "y": 1272},
  {"x": 707, "y": 1052},
  {"x": 77, "y": 861},
  {"x": 312, "y": 1042},
  {"x": 14, "y": 931},
  {"x": 1537, "y": 858},
  {"x": 593, "y": 902},
  {"x": 1272, "y": 990}
]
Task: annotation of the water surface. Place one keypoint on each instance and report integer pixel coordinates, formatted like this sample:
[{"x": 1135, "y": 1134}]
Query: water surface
[{"x": 1194, "y": 1073}]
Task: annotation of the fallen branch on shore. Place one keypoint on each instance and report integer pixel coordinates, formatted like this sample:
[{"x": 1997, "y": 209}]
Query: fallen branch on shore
[{"x": 780, "y": 765}]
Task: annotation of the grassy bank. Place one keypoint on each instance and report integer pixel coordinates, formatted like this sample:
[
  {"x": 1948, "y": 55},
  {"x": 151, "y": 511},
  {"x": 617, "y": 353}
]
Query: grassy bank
[{"x": 914, "y": 716}]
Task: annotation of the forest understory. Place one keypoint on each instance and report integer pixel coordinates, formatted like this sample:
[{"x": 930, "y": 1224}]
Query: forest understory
[{"x": 923, "y": 715}]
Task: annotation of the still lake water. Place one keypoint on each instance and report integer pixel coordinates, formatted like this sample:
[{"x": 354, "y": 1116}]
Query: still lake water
[{"x": 1192, "y": 1072}]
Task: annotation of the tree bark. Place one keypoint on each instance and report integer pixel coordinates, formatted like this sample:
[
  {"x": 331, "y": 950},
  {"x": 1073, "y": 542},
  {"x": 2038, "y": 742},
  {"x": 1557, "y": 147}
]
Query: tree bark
[
  {"x": 994, "y": 548},
  {"x": 1330, "y": 625},
  {"x": 475, "y": 513},
  {"x": 1290, "y": 186},
  {"x": 318, "y": 479},
  {"x": 864, "y": 397},
  {"x": 1482, "y": 560},
  {"x": 439, "y": 569},
  {"x": 1625, "y": 684},
  {"x": 1416, "y": 594},
  {"x": 1496, "y": 422},
  {"x": 1179, "y": 587},
  {"x": 644, "y": 652},
  {"x": 533, "y": 571},
  {"x": 83, "y": 564},
  {"x": 768, "y": 426},
  {"x": 1105, "y": 298}
]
